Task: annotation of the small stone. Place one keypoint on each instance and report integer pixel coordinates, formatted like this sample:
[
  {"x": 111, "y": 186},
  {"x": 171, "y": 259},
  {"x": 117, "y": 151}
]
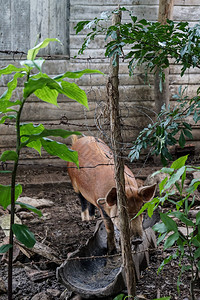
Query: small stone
[
  {"x": 196, "y": 175},
  {"x": 2, "y": 286},
  {"x": 53, "y": 293},
  {"x": 5, "y": 223},
  {"x": 38, "y": 203},
  {"x": 41, "y": 296},
  {"x": 35, "y": 221},
  {"x": 66, "y": 295},
  {"x": 46, "y": 216},
  {"x": 25, "y": 215}
]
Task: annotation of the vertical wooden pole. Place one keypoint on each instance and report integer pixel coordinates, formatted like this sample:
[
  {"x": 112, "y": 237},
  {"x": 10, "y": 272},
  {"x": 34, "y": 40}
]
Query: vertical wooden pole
[
  {"x": 162, "y": 97},
  {"x": 117, "y": 142}
]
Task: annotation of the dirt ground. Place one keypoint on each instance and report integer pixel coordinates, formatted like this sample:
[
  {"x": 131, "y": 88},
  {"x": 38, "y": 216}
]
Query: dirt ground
[{"x": 61, "y": 229}]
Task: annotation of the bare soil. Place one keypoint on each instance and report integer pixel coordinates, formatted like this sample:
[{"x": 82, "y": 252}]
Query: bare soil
[{"x": 61, "y": 229}]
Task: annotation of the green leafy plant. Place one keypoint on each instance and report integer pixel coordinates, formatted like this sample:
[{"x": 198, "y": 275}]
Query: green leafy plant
[
  {"x": 186, "y": 244},
  {"x": 152, "y": 45},
  {"x": 46, "y": 89},
  {"x": 145, "y": 40},
  {"x": 162, "y": 133}
]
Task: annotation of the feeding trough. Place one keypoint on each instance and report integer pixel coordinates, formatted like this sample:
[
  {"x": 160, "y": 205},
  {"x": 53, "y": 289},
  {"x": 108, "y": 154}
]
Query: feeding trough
[{"x": 90, "y": 272}]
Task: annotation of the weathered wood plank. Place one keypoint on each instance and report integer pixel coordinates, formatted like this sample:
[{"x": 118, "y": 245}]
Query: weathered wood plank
[
  {"x": 190, "y": 91},
  {"x": 82, "y": 12},
  {"x": 5, "y": 27},
  {"x": 39, "y": 15},
  {"x": 59, "y": 26},
  {"x": 176, "y": 69},
  {"x": 187, "y": 79},
  {"x": 135, "y": 2},
  {"x": 188, "y": 13},
  {"x": 20, "y": 25}
]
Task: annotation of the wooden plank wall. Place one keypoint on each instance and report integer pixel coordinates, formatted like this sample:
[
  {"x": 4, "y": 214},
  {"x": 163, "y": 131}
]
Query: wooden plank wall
[{"x": 136, "y": 98}]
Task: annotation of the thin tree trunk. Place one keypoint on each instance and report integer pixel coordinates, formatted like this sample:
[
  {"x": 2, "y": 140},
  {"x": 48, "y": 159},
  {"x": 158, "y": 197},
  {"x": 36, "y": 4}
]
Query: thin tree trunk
[
  {"x": 162, "y": 96},
  {"x": 117, "y": 142}
]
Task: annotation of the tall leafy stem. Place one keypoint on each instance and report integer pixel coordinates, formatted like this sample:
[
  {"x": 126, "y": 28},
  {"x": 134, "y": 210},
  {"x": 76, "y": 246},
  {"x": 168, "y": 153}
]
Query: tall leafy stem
[{"x": 46, "y": 89}]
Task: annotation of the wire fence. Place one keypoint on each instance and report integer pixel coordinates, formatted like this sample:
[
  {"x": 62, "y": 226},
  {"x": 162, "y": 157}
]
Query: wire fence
[{"x": 96, "y": 122}]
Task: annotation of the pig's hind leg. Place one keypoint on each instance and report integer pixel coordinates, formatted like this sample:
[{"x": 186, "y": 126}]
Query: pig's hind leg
[{"x": 87, "y": 209}]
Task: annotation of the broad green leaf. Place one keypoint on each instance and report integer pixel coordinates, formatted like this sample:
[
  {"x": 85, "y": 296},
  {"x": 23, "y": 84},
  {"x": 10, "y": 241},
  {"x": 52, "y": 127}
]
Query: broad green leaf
[
  {"x": 4, "y": 104},
  {"x": 73, "y": 91},
  {"x": 188, "y": 133},
  {"x": 34, "y": 84},
  {"x": 27, "y": 130},
  {"x": 197, "y": 253},
  {"x": 169, "y": 222},
  {"x": 24, "y": 235},
  {"x": 198, "y": 218},
  {"x": 198, "y": 264},
  {"x": 30, "y": 207},
  {"x": 12, "y": 84},
  {"x": 162, "y": 184},
  {"x": 180, "y": 162},
  {"x": 193, "y": 185},
  {"x": 51, "y": 132},
  {"x": 9, "y": 155},
  {"x": 10, "y": 69},
  {"x": 34, "y": 51},
  {"x": 180, "y": 215},
  {"x": 163, "y": 170},
  {"x": 119, "y": 297},
  {"x": 160, "y": 227},
  {"x": 195, "y": 241},
  {"x": 60, "y": 150},
  {"x": 181, "y": 140},
  {"x": 76, "y": 74},
  {"x": 164, "y": 262},
  {"x": 161, "y": 238},
  {"x": 175, "y": 177},
  {"x": 150, "y": 206},
  {"x": 48, "y": 95},
  {"x": 171, "y": 240},
  {"x": 5, "y": 248},
  {"x": 5, "y": 194},
  {"x": 4, "y": 118}
]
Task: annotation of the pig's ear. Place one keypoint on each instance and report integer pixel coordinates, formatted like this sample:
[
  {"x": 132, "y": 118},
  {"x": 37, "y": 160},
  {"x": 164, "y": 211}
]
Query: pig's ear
[
  {"x": 147, "y": 192},
  {"x": 111, "y": 197}
]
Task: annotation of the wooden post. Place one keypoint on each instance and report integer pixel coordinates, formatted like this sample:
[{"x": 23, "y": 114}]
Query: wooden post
[
  {"x": 117, "y": 143},
  {"x": 162, "y": 97}
]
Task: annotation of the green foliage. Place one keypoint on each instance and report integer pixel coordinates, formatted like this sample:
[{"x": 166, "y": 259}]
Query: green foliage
[
  {"x": 5, "y": 248},
  {"x": 46, "y": 89},
  {"x": 181, "y": 199},
  {"x": 30, "y": 207},
  {"x": 34, "y": 51},
  {"x": 24, "y": 235},
  {"x": 149, "y": 42},
  {"x": 162, "y": 134},
  {"x": 153, "y": 45},
  {"x": 5, "y": 192}
]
